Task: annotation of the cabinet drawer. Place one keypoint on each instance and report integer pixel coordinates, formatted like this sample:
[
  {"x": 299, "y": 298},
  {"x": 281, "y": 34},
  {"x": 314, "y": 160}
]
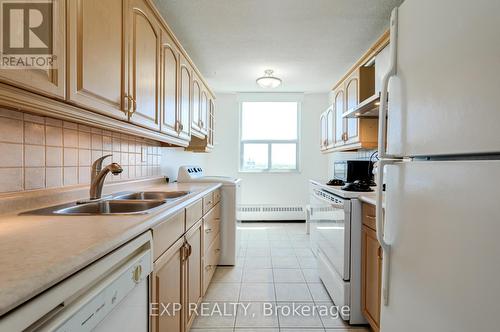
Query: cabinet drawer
[
  {"x": 211, "y": 261},
  {"x": 194, "y": 212},
  {"x": 217, "y": 196},
  {"x": 166, "y": 233},
  {"x": 211, "y": 226},
  {"x": 208, "y": 202},
  {"x": 369, "y": 216}
]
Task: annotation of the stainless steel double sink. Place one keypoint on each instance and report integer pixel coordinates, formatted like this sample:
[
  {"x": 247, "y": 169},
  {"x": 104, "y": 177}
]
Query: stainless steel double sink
[{"x": 122, "y": 203}]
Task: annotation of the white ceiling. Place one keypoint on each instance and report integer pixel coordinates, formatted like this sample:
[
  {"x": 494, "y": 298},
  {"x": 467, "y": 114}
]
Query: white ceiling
[{"x": 310, "y": 44}]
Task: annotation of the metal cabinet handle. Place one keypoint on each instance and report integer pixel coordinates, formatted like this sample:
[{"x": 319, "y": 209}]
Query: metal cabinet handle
[
  {"x": 134, "y": 108},
  {"x": 217, "y": 250},
  {"x": 208, "y": 231},
  {"x": 370, "y": 217},
  {"x": 178, "y": 127},
  {"x": 126, "y": 100},
  {"x": 136, "y": 274}
]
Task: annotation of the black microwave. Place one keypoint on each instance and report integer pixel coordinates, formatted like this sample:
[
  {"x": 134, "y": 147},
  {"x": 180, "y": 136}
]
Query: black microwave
[{"x": 352, "y": 170}]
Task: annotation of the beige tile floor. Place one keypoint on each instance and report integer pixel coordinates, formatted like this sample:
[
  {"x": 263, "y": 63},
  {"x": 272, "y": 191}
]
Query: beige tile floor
[{"x": 277, "y": 268}]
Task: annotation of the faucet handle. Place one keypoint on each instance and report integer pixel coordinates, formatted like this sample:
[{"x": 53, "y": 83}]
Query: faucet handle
[{"x": 97, "y": 165}]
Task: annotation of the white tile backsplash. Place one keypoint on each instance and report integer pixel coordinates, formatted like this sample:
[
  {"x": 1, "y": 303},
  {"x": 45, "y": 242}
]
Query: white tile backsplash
[{"x": 40, "y": 152}]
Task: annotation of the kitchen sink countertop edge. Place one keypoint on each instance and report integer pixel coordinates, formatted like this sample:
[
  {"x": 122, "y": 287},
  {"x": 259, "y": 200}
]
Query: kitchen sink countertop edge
[{"x": 39, "y": 251}]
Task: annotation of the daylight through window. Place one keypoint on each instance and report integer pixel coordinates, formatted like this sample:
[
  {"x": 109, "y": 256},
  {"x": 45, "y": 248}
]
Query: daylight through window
[{"x": 269, "y": 136}]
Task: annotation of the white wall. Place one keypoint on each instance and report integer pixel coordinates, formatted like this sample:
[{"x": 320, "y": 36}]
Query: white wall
[
  {"x": 270, "y": 188},
  {"x": 173, "y": 158},
  {"x": 258, "y": 188}
]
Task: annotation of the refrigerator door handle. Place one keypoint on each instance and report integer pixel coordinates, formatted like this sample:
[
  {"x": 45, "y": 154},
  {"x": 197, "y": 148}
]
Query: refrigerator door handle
[
  {"x": 382, "y": 122},
  {"x": 379, "y": 215}
]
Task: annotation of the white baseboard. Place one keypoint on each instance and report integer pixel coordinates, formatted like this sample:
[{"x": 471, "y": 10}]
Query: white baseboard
[{"x": 271, "y": 212}]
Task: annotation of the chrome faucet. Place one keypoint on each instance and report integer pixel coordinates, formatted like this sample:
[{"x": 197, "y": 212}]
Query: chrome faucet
[{"x": 98, "y": 174}]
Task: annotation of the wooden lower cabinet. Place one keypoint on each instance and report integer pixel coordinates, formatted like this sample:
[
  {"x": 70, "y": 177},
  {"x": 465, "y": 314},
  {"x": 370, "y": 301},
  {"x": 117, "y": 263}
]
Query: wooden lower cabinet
[
  {"x": 168, "y": 289},
  {"x": 186, "y": 256},
  {"x": 371, "y": 269},
  {"x": 194, "y": 281}
]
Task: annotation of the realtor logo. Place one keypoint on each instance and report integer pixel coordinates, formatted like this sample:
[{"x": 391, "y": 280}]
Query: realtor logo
[{"x": 27, "y": 34}]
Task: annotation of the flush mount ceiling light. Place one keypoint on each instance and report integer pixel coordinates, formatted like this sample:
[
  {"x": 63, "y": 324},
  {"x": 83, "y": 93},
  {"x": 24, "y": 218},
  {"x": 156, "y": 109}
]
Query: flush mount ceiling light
[{"x": 268, "y": 81}]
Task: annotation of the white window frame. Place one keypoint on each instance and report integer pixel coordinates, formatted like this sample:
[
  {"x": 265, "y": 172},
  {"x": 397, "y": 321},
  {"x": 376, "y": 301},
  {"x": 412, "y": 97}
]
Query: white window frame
[{"x": 270, "y": 97}]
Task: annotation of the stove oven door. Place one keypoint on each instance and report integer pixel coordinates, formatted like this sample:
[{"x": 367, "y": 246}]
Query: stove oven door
[{"x": 329, "y": 225}]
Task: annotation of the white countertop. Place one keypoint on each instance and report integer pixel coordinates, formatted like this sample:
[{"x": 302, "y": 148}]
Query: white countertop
[{"x": 36, "y": 252}]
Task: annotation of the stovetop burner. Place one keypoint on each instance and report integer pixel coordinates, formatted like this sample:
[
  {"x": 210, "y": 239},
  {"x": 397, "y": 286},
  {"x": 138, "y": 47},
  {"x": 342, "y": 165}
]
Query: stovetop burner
[
  {"x": 361, "y": 186},
  {"x": 335, "y": 182}
]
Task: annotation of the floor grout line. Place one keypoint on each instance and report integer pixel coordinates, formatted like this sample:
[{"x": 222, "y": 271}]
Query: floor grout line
[{"x": 263, "y": 242}]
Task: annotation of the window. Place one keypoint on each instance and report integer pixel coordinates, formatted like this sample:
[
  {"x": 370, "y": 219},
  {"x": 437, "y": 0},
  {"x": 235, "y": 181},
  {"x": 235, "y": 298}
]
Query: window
[{"x": 269, "y": 136}]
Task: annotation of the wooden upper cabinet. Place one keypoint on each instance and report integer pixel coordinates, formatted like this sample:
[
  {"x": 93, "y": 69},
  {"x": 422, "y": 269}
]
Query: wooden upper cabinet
[
  {"x": 359, "y": 86},
  {"x": 169, "y": 86},
  {"x": 211, "y": 122},
  {"x": 185, "y": 78},
  {"x": 204, "y": 111},
  {"x": 339, "y": 107},
  {"x": 351, "y": 91},
  {"x": 196, "y": 105},
  {"x": 144, "y": 62},
  {"x": 95, "y": 54},
  {"x": 330, "y": 125},
  {"x": 49, "y": 80},
  {"x": 323, "y": 129}
]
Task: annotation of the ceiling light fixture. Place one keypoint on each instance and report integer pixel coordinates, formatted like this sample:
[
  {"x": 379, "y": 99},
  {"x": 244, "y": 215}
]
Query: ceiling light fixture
[{"x": 268, "y": 81}]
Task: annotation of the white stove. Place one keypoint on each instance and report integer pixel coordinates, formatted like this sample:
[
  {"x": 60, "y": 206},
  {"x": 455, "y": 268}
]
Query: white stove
[
  {"x": 334, "y": 224},
  {"x": 230, "y": 198}
]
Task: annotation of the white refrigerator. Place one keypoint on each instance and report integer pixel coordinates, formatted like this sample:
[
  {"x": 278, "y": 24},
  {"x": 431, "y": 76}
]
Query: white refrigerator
[{"x": 440, "y": 232}]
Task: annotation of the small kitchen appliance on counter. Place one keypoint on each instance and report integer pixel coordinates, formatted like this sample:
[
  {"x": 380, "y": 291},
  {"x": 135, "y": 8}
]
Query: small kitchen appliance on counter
[{"x": 353, "y": 175}]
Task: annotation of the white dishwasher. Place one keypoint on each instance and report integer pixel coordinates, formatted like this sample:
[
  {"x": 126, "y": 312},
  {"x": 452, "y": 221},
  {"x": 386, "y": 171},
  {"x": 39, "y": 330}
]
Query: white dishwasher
[{"x": 111, "y": 294}]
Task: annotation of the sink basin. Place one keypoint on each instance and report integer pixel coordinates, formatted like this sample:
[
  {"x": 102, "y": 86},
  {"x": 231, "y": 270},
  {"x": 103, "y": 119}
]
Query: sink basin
[
  {"x": 154, "y": 195},
  {"x": 112, "y": 207}
]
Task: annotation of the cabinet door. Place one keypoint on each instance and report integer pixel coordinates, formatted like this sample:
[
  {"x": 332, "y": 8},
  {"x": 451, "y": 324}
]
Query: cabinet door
[
  {"x": 330, "y": 125},
  {"x": 185, "y": 98},
  {"x": 204, "y": 112},
  {"x": 211, "y": 123},
  {"x": 371, "y": 267},
  {"x": 169, "y": 88},
  {"x": 193, "y": 271},
  {"x": 47, "y": 80},
  {"x": 95, "y": 55},
  {"x": 195, "y": 102},
  {"x": 144, "y": 61},
  {"x": 339, "y": 120},
  {"x": 168, "y": 288},
  {"x": 352, "y": 100},
  {"x": 323, "y": 131}
]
